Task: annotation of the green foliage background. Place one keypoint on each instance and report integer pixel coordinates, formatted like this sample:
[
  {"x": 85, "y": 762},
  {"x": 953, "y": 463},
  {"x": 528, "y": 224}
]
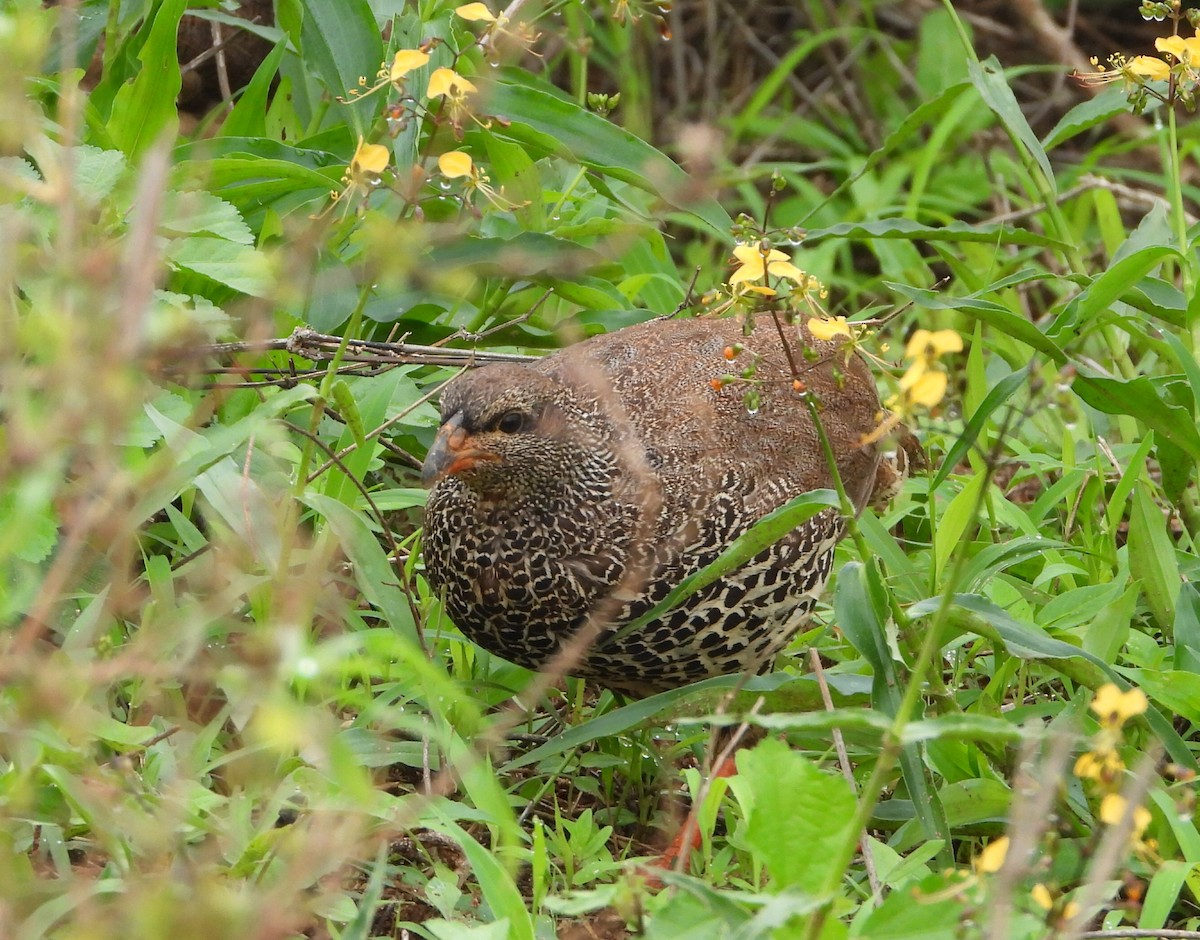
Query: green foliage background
[{"x": 229, "y": 704}]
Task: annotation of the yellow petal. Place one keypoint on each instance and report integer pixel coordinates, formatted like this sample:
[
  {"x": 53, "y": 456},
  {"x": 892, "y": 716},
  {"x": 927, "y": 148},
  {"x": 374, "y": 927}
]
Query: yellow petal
[
  {"x": 1151, "y": 67},
  {"x": 1113, "y": 809},
  {"x": 454, "y": 164},
  {"x": 928, "y": 389},
  {"x": 752, "y": 254},
  {"x": 405, "y": 61},
  {"x": 445, "y": 81},
  {"x": 369, "y": 160},
  {"x": 932, "y": 344},
  {"x": 828, "y": 329},
  {"x": 991, "y": 859},
  {"x": 475, "y": 12},
  {"x": 786, "y": 269},
  {"x": 1184, "y": 50},
  {"x": 760, "y": 289},
  {"x": 1114, "y": 707},
  {"x": 747, "y": 272},
  {"x": 1041, "y": 897}
]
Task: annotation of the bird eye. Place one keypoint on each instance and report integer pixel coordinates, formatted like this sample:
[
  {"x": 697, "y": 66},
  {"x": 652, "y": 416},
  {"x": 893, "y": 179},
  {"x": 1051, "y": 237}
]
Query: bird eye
[{"x": 511, "y": 422}]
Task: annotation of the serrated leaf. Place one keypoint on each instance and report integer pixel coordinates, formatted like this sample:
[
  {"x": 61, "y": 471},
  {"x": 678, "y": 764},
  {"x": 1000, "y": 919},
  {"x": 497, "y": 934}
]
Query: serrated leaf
[
  {"x": 790, "y": 803},
  {"x": 238, "y": 266}
]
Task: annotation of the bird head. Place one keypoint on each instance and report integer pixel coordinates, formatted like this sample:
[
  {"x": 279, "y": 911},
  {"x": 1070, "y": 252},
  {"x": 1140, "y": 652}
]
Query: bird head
[{"x": 502, "y": 427}]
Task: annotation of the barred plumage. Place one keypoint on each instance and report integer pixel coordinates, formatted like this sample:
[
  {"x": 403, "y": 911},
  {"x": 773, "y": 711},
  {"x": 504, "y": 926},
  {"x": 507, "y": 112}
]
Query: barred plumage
[{"x": 582, "y": 488}]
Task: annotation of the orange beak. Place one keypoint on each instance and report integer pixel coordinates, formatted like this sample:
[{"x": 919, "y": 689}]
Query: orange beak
[{"x": 453, "y": 451}]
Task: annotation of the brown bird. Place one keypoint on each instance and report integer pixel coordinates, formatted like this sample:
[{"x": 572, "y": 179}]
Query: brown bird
[{"x": 572, "y": 494}]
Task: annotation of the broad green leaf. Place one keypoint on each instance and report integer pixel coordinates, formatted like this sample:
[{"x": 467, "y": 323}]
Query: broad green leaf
[
  {"x": 241, "y": 267},
  {"x": 544, "y": 119},
  {"x": 1187, "y": 628},
  {"x": 1105, "y": 289},
  {"x": 1177, "y": 692},
  {"x": 248, "y": 117},
  {"x": 1165, "y": 885},
  {"x": 143, "y": 110},
  {"x": 529, "y": 254},
  {"x": 1086, "y": 115},
  {"x": 1152, "y": 556},
  {"x": 953, "y": 524},
  {"x": 929, "y": 910},
  {"x": 1139, "y": 398},
  {"x": 790, "y": 803},
  {"x": 341, "y": 43}
]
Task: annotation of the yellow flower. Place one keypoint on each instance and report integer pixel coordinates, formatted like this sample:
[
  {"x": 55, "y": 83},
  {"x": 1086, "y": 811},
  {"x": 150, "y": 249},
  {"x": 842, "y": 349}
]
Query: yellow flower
[
  {"x": 923, "y": 386},
  {"x": 828, "y": 328},
  {"x": 405, "y": 61},
  {"x": 448, "y": 82},
  {"x": 756, "y": 265},
  {"x": 991, "y": 859},
  {"x": 1102, "y": 765},
  {"x": 928, "y": 346},
  {"x": 1113, "y": 809},
  {"x": 454, "y": 164},
  {"x": 1186, "y": 51},
  {"x": 475, "y": 12},
  {"x": 1131, "y": 71},
  {"x": 1114, "y": 707},
  {"x": 457, "y": 164},
  {"x": 368, "y": 162},
  {"x": 1042, "y": 897}
]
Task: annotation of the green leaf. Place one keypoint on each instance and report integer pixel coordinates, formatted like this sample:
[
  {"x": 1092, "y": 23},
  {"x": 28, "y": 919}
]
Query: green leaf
[
  {"x": 341, "y": 43},
  {"x": 952, "y": 526},
  {"x": 248, "y": 117},
  {"x": 763, "y": 534},
  {"x": 555, "y": 124},
  {"x": 1152, "y": 557},
  {"x": 998, "y": 395},
  {"x": 1086, "y": 115},
  {"x": 1095, "y": 299},
  {"x": 1163, "y": 892},
  {"x": 1139, "y": 398},
  {"x": 988, "y": 78},
  {"x": 930, "y": 910},
  {"x": 497, "y": 886},
  {"x": 529, "y": 254},
  {"x": 1187, "y": 628},
  {"x": 372, "y": 571},
  {"x": 911, "y": 230},
  {"x": 790, "y": 803},
  {"x": 238, "y": 266},
  {"x": 143, "y": 110},
  {"x": 1177, "y": 692}
]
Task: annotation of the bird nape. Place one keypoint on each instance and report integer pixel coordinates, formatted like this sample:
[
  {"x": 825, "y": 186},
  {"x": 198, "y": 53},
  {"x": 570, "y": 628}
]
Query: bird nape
[{"x": 571, "y": 495}]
